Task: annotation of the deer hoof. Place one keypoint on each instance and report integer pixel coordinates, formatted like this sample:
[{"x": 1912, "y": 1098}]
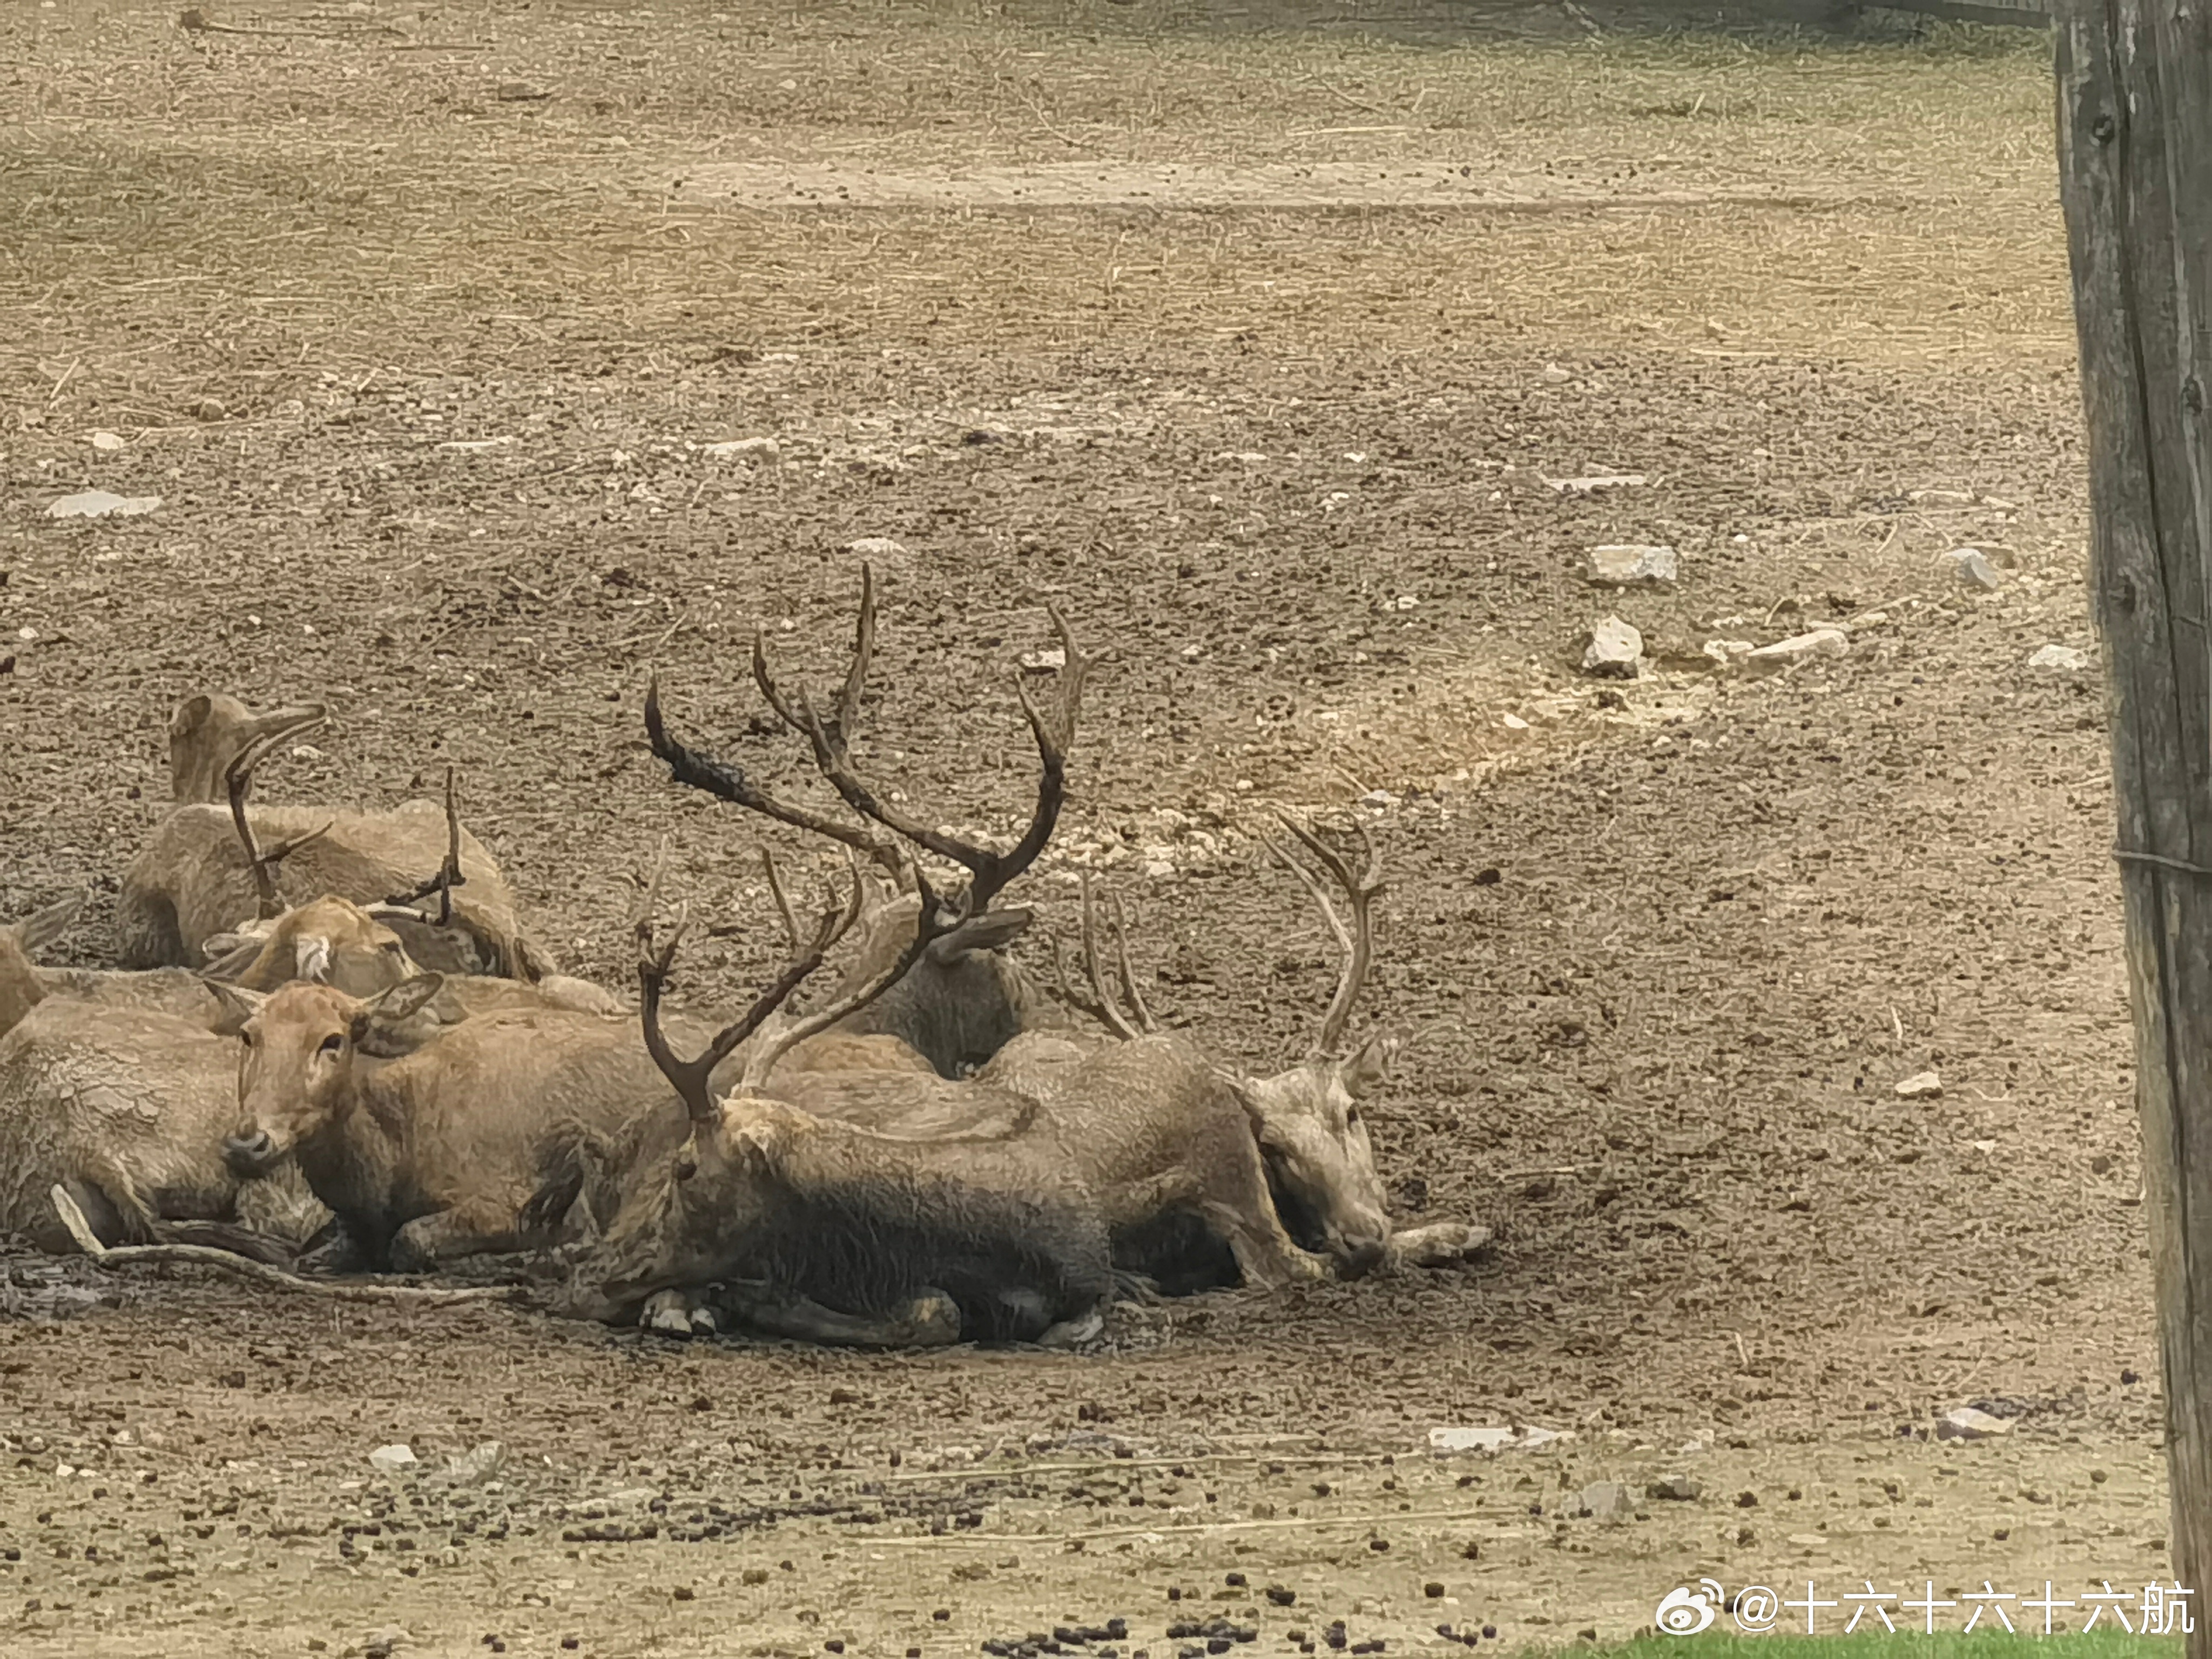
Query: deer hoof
[
  {"x": 1073, "y": 1332},
  {"x": 1442, "y": 1245},
  {"x": 672, "y": 1314},
  {"x": 931, "y": 1320}
]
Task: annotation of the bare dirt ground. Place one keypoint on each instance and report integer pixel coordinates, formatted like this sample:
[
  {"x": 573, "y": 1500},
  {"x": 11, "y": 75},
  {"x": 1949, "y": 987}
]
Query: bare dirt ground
[{"x": 422, "y": 322}]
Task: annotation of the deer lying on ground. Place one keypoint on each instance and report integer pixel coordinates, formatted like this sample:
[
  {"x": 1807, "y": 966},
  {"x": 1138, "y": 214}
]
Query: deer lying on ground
[
  {"x": 813, "y": 1227},
  {"x": 121, "y": 1084},
  {"x": 1307, "y": 1121},
  {"x": 1124, "y": 1109},
  {"x": 192, "y": 881},
  {"x": 126, "y": 1110},
  {"x": 328, "y": 940},
  {"x": 964, "y": 997}
]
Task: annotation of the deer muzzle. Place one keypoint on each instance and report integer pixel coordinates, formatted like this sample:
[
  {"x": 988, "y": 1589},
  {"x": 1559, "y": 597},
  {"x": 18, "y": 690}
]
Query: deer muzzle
[{"x": 248, "y": 1156}]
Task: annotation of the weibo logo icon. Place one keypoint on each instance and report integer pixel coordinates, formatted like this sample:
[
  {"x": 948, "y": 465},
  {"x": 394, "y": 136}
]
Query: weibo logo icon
[{"x": 1685, "y": 1612}]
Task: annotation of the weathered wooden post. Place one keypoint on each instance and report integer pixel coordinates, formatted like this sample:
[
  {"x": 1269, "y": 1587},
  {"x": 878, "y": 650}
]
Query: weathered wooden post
[{"x": 2135, "y": 138}]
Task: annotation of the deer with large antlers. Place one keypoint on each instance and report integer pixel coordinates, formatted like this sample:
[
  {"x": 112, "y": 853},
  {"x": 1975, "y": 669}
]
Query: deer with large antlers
[
  {"x": 964, "y": 998},
  {"x": 211, "y": 863},
  {"x": 1307, "y": 1121},
  {"x": 810, "y": 1226}
]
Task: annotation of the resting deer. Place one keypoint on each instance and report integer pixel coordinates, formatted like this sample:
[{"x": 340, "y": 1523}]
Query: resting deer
[
  {"x": 126, "y": 1108},
  {"x": 815, "y": 1228},
  {"x": 328, "y": 940},
  {"x": 192, "y": 881},
  {"x": 1308, "y": 1120}
]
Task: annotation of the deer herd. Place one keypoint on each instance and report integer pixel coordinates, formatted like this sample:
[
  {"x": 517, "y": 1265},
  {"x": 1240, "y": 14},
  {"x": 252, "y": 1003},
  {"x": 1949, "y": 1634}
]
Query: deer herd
[{"x": 394, "y": 1075}]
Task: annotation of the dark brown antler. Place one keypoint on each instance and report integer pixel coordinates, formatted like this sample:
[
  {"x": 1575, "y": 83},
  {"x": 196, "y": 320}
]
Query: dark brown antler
[
  {"x": 238, "y": 780},
  {"x": 1356, "y": 942},
  {"x": 449, "y": 874},
  {"x": 692, "y": 1077},
  {"x": 695, "y": 770},
  {"x": 988, "y": 871}
]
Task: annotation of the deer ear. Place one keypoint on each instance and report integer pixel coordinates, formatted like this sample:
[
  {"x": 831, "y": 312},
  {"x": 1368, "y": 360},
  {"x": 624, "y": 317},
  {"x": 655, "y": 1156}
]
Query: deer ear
[
  {"x": 238, "y": 1004},
  {"x": 42, "y": 928},
  {"x": 228, "y": 957},
  {"x": 995, "y": 930},
  {"x": 1369, "y": 1069}
]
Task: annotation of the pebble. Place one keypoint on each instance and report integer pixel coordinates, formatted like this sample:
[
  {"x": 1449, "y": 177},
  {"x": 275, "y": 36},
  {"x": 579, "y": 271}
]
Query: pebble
[
  {"x": 1600, "y": 1500},
  {"x": 107, "y": 441},
  {"x": 766, "y": 449},
  {"x": 1921, "y": 1086},
  {"x": 1966, "y": 1424},
  {"x": 1595, "y": 480},
  {"x": 100, "y": 503},
  {"x": 877, "y": 547},
  {"x": 1625, "y": 566},
  {"x": 1615, "y": 650},
  {"x": 393, "y": 1459},
  {"x": 1799, "y": 647},
  {"x": 1676, "y": 1488},
  {"x": 1971, "y": 569},
  {"x": 2062, "y": 659}
]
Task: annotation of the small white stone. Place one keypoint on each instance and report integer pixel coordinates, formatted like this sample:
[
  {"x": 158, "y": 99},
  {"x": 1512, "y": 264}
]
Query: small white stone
[
  {"x": 1626, "y": 565},
  {"x": 105, "y": 441},
  {"x": 1921, "y": 1086},
  {"x": 1596, "y": 481},
  {"x": 1043, "y": 662},
  {"x": 766, "y": 449},
  {"x": 391, "y": 1459},
  {"x": 1966, "y": 1424},
  {"x": 100, "y": 503},
  {"x": 2063, "y": 659},
  {"x": 1515, "y": 723},
  {"x": 1971, "y": 569},
  {"x": 1614, "y": 651},
  {"x": 1800, "y": 647},
  {"x": 877, "y": 547}
]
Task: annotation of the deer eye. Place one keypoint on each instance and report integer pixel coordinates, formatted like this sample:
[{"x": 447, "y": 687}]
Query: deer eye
[
  {"x": 332, "y": 1044},
  {"x": 1351, "y": 1117},
  {"x": 686, "y": 1168},
  {"x": 393, "y": 948}
]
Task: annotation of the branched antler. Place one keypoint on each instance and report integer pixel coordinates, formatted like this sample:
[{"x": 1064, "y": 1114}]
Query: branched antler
[
  {"x": 831, "y": 737},
  {"x": 1100, "y": 1004},
  {"x": 449, "y": 875},
  {"x": 1355, "y": 941},
  {"x": 692, "y": 1077},
  {"x": 238, "y": 781},
  {"x": 696, "y": 770}
]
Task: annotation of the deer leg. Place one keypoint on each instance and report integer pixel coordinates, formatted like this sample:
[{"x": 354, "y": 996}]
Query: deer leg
[
  {"x": 928, "y": 1320},
  {"x": 1440, "y": 1244},
  {"x": 1237, "y": 1202},
  {"x": 475, "y": 1228}
]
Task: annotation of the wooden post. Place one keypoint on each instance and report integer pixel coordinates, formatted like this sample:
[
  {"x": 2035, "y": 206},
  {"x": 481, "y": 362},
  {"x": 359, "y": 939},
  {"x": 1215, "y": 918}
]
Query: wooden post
[{"x": 2135, "y": 136}]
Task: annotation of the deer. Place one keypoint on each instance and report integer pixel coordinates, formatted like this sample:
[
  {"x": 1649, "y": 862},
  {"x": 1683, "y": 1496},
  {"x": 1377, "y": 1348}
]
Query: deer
[
  {"x": 1307, "y": 1120},
  {"x": 126, "y": 1108},
  {"x": 189, "y": 882},
  {"x": 1319, "y": 1161},
  {"x": 813, "y": 1227},
  {"x": 327, "y": 939}
]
